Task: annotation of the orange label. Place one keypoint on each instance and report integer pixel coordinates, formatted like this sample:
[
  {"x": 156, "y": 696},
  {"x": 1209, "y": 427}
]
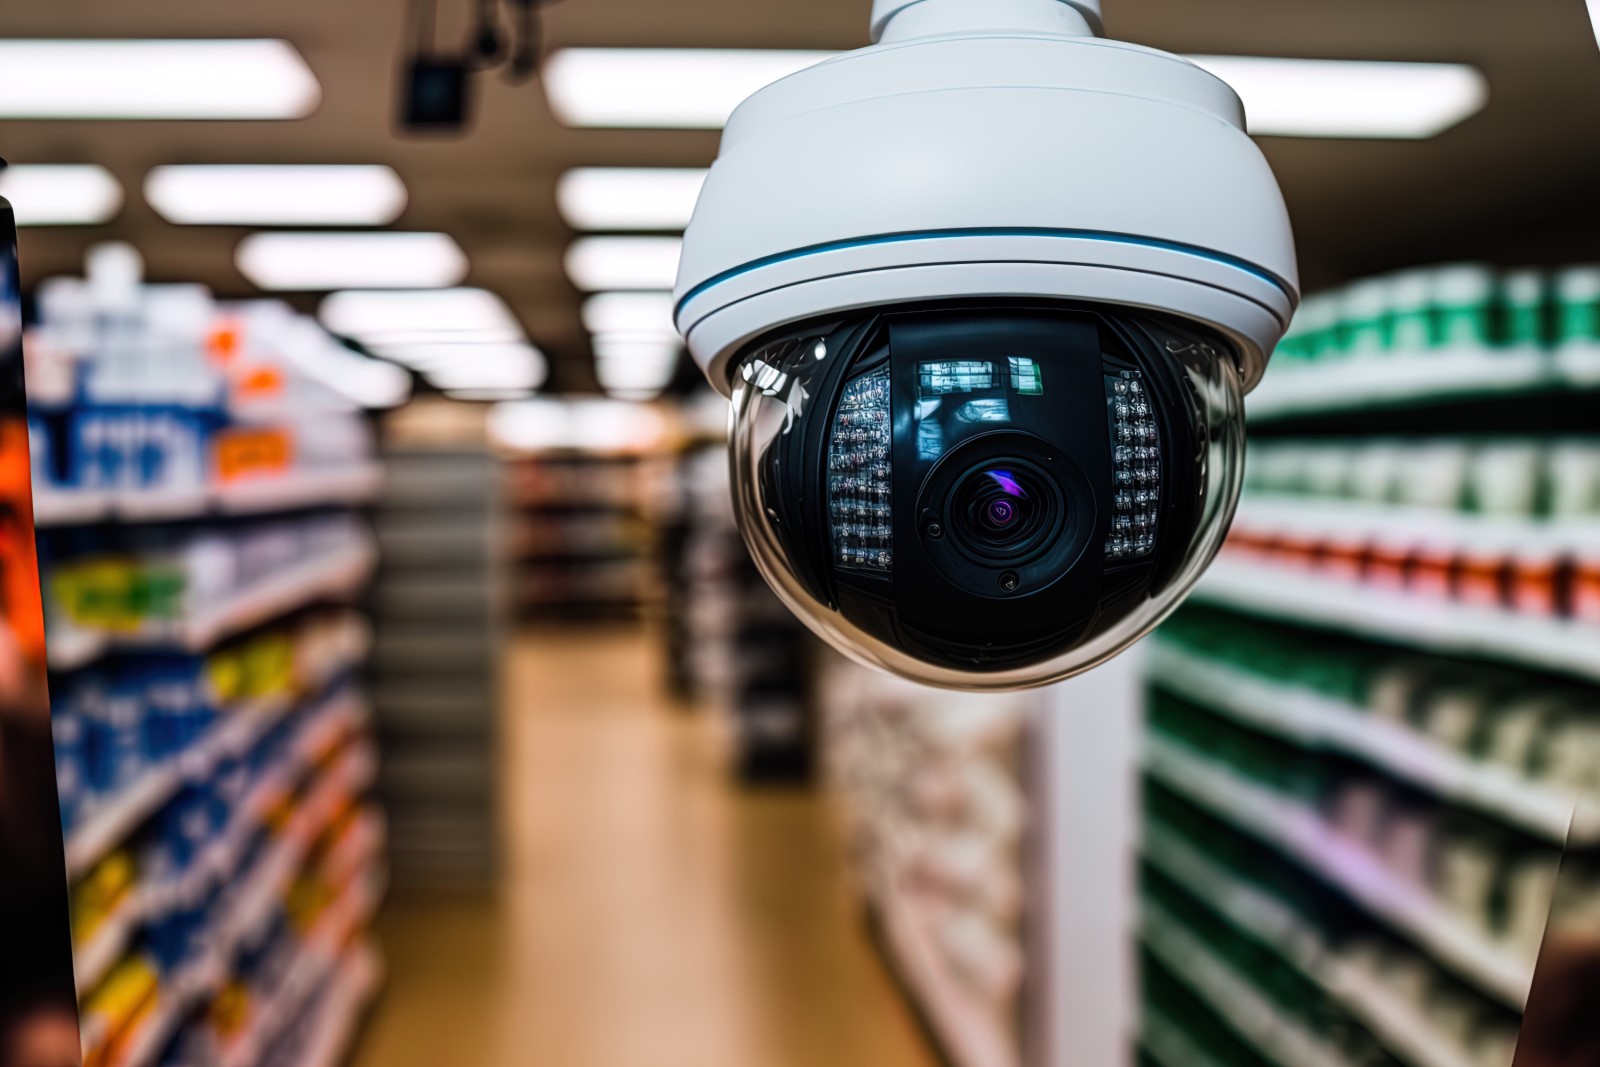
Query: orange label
[{"x": 252, "y": 453}]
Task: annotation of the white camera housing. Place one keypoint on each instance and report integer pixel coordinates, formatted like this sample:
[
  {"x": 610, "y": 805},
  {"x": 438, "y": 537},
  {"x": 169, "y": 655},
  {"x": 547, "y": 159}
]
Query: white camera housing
[{"x": 990, "y": 150}]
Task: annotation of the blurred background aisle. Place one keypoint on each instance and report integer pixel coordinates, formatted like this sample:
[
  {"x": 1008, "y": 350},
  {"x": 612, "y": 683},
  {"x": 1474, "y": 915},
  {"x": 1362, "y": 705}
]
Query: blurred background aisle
[{"x": 724, "y": 935}]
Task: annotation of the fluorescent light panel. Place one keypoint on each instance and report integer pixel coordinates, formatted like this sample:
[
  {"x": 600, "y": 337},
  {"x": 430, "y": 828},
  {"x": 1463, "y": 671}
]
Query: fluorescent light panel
[
  {"x": 648, "y": 313},
  {"x": 1340, "y": 98},
  {"x": 699, "y": 88},
  {"x": 601, "y": 263},
  {"x": 385, "y": 320},
  {"x": 61, "y": 194},
  {"x": 154, "y": 79},
  {"x": 276, "y": 195},
  {"x": 664, "y": 88},
  {"x": 476, "y": 366},
  {"x": 629, "y": 198},
  {"x": 317, "y": 261}
]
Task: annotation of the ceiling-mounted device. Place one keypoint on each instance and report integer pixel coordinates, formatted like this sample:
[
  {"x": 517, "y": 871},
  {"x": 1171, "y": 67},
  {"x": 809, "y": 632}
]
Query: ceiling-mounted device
[{"x": 987, "y": 297}]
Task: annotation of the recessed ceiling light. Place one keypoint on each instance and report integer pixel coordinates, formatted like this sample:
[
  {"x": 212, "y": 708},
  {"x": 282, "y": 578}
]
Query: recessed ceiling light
[
  {"x": 313, "y": 261},
  {"x": 599, "y": 263},
  {"x": 1344, "y": 98},
  {"x": 678, "y": 88},
  {"x": 649, "y": 314},
  {"x": 276, "y": 195},
  {"x": 386, "y": 319},
  {"x": 154, "y": 79},
  {"x": 699, "y": 88},
  {"x": 629, "y": 198},
  {"x": 61, "y": 194}
]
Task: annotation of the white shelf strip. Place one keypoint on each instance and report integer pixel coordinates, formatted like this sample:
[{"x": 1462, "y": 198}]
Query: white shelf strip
[
  {"x": 356, "y": 484},
  {"x": 1492, "y": 967},
  {"x": 1399, "y": 1027},
  {"x": 335, "y": 574},
  {"x": 1443, "y": 626},
  {"x": 1312, "y": 721},
  {"x": 1360, "y": 521},
  {"x": 969, "y": 1035},
  {"x": 1356, "y": 383},
  {"x": 1245, "y": 1009}
]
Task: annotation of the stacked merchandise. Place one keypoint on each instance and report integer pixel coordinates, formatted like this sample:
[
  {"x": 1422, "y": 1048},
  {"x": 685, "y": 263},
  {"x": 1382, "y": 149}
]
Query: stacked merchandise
[
  {"x": 739, "y": 646},
  {"x": 1371, "y": 730},
  {"x": 583, "y": 535},
  {"x": 935, "y": 790},
  {"x": 213, "y": 755},
  {"x": 440, "y": 610}
]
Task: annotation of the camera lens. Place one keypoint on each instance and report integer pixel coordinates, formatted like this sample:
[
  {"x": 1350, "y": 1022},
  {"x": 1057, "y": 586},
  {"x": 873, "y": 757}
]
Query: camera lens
[{"x": 1003, "y": 511}]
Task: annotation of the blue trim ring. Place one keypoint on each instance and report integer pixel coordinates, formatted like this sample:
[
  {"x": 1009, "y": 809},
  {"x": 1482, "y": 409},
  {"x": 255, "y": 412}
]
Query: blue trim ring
[{"x": 930, "y": 235}]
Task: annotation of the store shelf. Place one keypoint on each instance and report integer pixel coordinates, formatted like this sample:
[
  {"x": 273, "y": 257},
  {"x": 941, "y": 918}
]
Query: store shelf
[
  {"x": 1169, "y": 1045},
  {"x": 1437, "y": 377},
  {"x": 1313, "y": 721},
  {"x": 1300, "y": 834},
  {"x": 1263, "y": 916},
  {"x": 1236, "y": 1000},
  {"x": 320, "y": 961},
  {"x": 262, "y": 890},
  {"x": 1357, "y": 522},
  {"x": 1438, "y": 625},
  {"x": 234, "y": 733},
  {"x": 94, "y": 959},
  {"x": 968, "y": 1037},
  {"x": 354, "y": 988},
  {"x": 1266, "y": 919},
  {"x": 336, "y": 574},
  {"x": 345, "y": 487}
]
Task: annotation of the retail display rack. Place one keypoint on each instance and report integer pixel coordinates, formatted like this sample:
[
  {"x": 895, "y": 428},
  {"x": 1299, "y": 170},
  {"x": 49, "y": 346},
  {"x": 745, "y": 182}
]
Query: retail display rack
[
  {"x": 1376, "y": 728},
  {"x": 936, "y": 796},
  {"x": 583, "y": 533},
  {"x": 440, "y": 611},
  {"x": 197, "y": 500},
  {"x": 733, "y": 643}
]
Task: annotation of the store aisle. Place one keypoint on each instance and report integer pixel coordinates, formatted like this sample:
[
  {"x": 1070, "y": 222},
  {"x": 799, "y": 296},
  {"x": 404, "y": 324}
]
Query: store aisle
[{"x": 653, "y": 914}]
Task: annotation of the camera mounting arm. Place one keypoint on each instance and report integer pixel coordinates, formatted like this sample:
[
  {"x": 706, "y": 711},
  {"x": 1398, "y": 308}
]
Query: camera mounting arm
[{"x": 898, "y": 20}]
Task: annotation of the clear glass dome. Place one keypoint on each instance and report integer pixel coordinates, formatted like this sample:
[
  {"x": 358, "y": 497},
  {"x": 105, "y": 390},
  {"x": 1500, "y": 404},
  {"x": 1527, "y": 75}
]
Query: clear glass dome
[{"x": 986, "y": 497}]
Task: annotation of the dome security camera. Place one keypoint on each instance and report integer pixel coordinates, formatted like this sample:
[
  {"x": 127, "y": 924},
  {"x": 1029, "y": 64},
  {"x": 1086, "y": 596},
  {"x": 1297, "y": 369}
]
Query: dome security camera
[{"x": 987, "y": 297}]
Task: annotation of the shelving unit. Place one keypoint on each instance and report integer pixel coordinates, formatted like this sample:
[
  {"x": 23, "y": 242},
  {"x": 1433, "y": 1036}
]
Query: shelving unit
[
  {"x": 1335, "y": 753},
  {"x": 950, "y": 924},
  {"x": 1267, "y": 920},
  {"x": 582, "y": 534},
  {"x": 1310, "y": 720},
  {"x": 1402, "y": 618},
  {"x": 1401, "y": 379},
  {"x": 440, "y": 611},
  {"x": 357, "y": 484}
]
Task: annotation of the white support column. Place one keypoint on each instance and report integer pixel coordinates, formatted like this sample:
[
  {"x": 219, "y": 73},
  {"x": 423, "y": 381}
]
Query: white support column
[{"x": 1087, "y": 818}]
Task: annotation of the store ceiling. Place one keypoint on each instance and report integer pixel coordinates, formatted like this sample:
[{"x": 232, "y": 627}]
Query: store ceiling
[{"x": 1516, "y": 182}]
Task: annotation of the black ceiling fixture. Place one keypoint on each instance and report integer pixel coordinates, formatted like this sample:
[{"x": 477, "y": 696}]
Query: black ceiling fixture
[{"x": 436, "y": 86}]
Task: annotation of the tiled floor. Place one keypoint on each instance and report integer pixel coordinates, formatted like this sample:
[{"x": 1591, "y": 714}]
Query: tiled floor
[{"x": 653, "y": 914}]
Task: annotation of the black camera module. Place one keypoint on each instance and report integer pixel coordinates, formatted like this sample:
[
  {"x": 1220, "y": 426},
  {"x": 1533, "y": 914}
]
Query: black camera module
[{"x": 984, "y": 488}]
